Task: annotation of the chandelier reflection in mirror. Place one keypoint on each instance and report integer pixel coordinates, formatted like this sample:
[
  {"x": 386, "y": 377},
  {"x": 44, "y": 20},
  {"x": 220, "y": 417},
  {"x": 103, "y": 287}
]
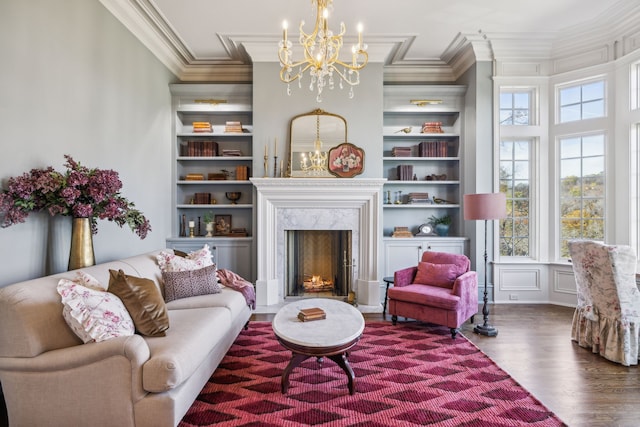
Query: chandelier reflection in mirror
[
  {"x": 321, "y": 55},
  {"x": 315, "y": 162}
]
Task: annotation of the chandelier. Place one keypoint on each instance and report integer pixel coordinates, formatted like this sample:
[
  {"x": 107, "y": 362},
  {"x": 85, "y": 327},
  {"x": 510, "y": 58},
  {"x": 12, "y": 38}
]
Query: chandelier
[
  {"x": 321, "y": 55},
  {"x": 316, "y": 162}
]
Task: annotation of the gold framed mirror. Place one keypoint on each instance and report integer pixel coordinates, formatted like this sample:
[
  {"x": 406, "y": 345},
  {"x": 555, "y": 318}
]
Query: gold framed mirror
[{"x": 311, "y": 136}]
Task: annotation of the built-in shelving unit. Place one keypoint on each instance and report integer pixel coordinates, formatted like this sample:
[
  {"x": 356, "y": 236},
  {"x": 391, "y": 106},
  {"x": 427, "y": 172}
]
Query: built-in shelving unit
[
  {"x": 209, "y": 165},
  {"x": 432, "y": 167}
]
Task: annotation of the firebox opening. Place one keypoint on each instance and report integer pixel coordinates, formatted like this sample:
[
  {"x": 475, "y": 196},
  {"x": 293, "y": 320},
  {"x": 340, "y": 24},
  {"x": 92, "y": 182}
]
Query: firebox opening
[{"x": 318, "y": 263}]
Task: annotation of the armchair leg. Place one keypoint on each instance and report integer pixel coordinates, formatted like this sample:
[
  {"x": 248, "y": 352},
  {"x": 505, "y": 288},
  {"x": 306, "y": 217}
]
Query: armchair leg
[
  {"x": 471, "y": 320},
  {"x": 454, "y": 332},
  {"x": 394, "y": 319}
]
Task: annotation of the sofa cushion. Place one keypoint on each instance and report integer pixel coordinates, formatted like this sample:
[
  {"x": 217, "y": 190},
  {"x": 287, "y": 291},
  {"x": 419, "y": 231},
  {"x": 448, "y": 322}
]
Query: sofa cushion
[
  {"x": 227, "y": 298},
  {"x": 169, "y": 261},
  {"x": 143, "y": 300},
  {"x": 433, "y": 296},
  {"x": 183, "y": 284},
  {"x": 442, "y": 275},
  {"x": 92, "y": 313},
  {"x": 193, "y": 335}
]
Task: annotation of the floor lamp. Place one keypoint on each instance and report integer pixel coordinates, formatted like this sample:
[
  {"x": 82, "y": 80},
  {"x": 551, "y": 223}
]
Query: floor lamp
[{"x": 488, "y": 206}]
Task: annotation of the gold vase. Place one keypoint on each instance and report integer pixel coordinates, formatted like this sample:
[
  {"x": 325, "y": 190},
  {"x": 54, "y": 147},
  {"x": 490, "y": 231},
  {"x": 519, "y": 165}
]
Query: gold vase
[{"x": 81, "y": 253}]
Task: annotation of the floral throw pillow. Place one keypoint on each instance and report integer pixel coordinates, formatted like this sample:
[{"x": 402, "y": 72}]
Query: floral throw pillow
[
  {"x": 184, "y": 284},
  {"x": 195, "y": 260},
  {"x": 91, "y": 312}
]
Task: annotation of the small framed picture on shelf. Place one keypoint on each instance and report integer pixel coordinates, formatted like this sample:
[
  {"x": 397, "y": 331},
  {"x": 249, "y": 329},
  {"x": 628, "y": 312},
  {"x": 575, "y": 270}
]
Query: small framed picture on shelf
[{"x": 222, "y": 225}]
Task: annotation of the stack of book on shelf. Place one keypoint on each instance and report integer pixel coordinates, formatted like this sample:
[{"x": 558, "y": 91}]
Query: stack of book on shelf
[
  {"x": 401, "y": 151},
  {"x": 231, "y": 152},
  {"x": 433, "y": 149},
  {"x": 419, "y": 198},
  {"x": 194, "y": 177},
  {"x": 202, "y": 127},
  {"x": 237, "y": 232},
  {"x": 401, "y": 232},
  {"x": 405, "y": 172},
  {"x": 242, "y": 173},
  {"x": 233, "y": 127},
  {"x": 432, "y": 127},
  {"x": 199, "y": 148},
  {"x": 217, "y": 176},
  {"x": 308, "y": 314},
  {"x": 202, "y": 199}
]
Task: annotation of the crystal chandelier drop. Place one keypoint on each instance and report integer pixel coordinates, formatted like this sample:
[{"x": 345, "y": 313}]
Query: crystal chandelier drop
[
  {"x": 315, "y": 162},
  {"x": 321, "y": 55}
]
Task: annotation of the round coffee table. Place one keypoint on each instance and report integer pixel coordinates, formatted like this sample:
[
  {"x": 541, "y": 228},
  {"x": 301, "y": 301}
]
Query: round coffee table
[{"x": 332, "y": 337}]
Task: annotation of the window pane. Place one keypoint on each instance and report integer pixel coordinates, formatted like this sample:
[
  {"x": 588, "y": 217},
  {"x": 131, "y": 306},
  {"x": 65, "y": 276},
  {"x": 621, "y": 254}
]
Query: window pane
[
  {"x": 571, "y": 228},
  {"x": 521, "y": 209},
  {"x": 521, "y": 189},
  {"x": 570, "y": 208},
  {"x": 570, "y": 113},
  {"x": 594, "y": 229},
  {"x": 593, "y": 91},
  {"x": 521, "y": 247},
  {"x": 506, "y": 117},
  {"x": 593, "y": 145},
  {"x": 570, "y": 95},
  {"x": 521, "y": 100},
  {"x": 505, "y": 187},
  {"x": 520, "y": 117},
  {"x": 521, "y": 150},
  {"x": 521, "y": 169},
  {"x": 569, "y": 168},
  {"x": 570, "y": 147},
  {"x": 593, "y": 208},
  {"x": 506, "y": 148},
  {"x": 593, "y": 109},
  {"x": 506, "y": 100},
  {"x": 592, "y": 167}
]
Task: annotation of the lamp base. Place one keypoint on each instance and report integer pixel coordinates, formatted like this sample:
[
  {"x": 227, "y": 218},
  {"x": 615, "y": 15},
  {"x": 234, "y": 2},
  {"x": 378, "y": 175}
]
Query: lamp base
[{"x": 486, "y": 330}]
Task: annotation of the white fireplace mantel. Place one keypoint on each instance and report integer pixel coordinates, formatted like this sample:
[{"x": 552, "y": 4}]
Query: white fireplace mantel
[{"x": 317, "y": 203}]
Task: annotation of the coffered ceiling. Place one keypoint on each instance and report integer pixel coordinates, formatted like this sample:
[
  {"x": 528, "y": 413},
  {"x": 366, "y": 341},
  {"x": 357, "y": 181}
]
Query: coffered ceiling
[{"x": 204, "y": 39}]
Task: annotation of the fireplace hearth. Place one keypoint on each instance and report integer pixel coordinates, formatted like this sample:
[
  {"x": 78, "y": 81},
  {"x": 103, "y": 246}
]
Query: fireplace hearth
[{"x": 285, "y": 204}]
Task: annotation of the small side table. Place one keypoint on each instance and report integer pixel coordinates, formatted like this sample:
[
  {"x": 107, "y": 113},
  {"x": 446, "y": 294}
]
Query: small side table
[{"x": 389, "y": 281}]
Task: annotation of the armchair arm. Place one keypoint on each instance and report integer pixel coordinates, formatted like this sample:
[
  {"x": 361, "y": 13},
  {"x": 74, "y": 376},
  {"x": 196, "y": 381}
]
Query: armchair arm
[
  {"x": 404, "y": 277},
  {"x": 81, "y": 374},
  {"x": 466, "y": 287}
]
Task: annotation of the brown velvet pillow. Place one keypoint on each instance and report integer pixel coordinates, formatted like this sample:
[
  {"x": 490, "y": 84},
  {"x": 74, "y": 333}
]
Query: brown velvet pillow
[
  {"x": 143, "y": 300},
  {"x": 442, "y": 275},
  {"x": 190, "y": 283}
]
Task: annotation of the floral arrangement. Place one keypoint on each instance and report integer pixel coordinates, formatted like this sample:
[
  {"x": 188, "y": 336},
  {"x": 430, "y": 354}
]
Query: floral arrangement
[
  {"x": 79, "y": 192},
  {"x": 347, "y": 160}
]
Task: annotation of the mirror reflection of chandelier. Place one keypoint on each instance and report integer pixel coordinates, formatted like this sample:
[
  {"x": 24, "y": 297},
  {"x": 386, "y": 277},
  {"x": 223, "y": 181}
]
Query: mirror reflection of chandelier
[
  {"x": 321, "y": 55},
  {"x": 315, "y": 162}
]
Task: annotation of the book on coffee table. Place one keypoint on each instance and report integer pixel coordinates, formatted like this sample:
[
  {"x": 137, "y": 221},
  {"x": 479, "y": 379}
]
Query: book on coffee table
[{"x": 314, "y": 313}]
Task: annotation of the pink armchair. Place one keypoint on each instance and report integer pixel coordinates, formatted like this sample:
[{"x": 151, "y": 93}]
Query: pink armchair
[{"x": 439, "y": 290}]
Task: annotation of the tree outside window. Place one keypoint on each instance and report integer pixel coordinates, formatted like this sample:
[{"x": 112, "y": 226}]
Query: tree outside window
[
  {"x": 582, "y": 189},
  {"x": 515, "y": 182}
]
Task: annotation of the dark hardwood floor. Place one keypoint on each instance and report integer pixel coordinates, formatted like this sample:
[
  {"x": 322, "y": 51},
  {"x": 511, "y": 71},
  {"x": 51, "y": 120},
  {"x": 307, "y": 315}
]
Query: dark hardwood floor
[{"x": 534, "y": 346}]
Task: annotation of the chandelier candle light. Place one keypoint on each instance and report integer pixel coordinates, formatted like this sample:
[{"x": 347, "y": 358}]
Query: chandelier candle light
[
  {"x": 485, "y": 207},
  {"x": 321, "y": 55}
]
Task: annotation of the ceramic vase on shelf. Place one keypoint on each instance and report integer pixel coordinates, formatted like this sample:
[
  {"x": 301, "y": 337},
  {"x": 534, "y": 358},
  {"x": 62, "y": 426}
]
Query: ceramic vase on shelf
[
  {"x": 209, "y": 227},
  {"x": 442, "y": 230},
  {"x": 81, "y": 253}
]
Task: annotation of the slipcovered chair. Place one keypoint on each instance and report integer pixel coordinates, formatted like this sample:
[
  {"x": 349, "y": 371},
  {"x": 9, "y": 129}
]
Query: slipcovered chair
[
  {"x": 607, "y": 316},
  {"x": 439, "y": 290}
]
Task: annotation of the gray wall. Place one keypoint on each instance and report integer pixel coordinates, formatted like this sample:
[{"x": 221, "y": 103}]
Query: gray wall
[
  {"x": 273, "y": 109},
  {"x": 74, "y": 81}
]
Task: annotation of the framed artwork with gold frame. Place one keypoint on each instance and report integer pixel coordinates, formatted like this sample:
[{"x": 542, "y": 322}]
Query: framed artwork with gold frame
[{"x": 346, "y": 160}]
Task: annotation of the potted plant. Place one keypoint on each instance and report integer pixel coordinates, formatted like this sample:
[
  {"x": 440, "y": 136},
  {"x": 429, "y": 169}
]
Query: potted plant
[
  {"x": 441, "y": 224},
  {"x": 208, "y": 223}
]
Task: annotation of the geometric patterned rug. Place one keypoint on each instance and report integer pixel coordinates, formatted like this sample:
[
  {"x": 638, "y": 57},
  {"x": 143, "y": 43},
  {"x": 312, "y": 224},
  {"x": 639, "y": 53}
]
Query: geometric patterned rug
[{"x": 406, "y": 375}]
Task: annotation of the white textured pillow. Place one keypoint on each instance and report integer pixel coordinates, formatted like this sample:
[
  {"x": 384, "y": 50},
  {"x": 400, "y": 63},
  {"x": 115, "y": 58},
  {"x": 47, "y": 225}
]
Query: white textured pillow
[
  {"x": 91, "y": 312},
  {"x": 195, "y": 260}
]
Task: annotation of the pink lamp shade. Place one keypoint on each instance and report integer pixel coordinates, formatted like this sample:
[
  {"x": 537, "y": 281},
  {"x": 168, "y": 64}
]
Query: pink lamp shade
[{"x": 485, "y": 206}]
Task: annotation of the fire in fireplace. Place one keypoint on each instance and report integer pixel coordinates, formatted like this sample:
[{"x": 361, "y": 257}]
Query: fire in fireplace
[{"x": 318, "y": 263}]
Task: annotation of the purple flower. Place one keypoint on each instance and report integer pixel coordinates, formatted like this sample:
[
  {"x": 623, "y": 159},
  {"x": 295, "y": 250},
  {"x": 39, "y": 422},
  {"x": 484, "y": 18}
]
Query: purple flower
[{"x": 79, "y": 191}]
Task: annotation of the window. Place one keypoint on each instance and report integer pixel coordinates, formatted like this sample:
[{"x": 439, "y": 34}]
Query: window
[
  {"x": 515, "y": 179},
  {"x": 581, "y": 102},
  {"x": 582, "y": 189},
  {"x": 515, "y": 108}
]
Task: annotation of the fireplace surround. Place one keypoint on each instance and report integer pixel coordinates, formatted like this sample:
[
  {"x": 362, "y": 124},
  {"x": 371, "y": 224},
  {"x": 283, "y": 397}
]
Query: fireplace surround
[{"x": 318, "y": 204}]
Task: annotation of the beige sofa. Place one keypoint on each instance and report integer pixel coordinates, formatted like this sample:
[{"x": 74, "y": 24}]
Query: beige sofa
[{"x": 49, "y": 377}]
